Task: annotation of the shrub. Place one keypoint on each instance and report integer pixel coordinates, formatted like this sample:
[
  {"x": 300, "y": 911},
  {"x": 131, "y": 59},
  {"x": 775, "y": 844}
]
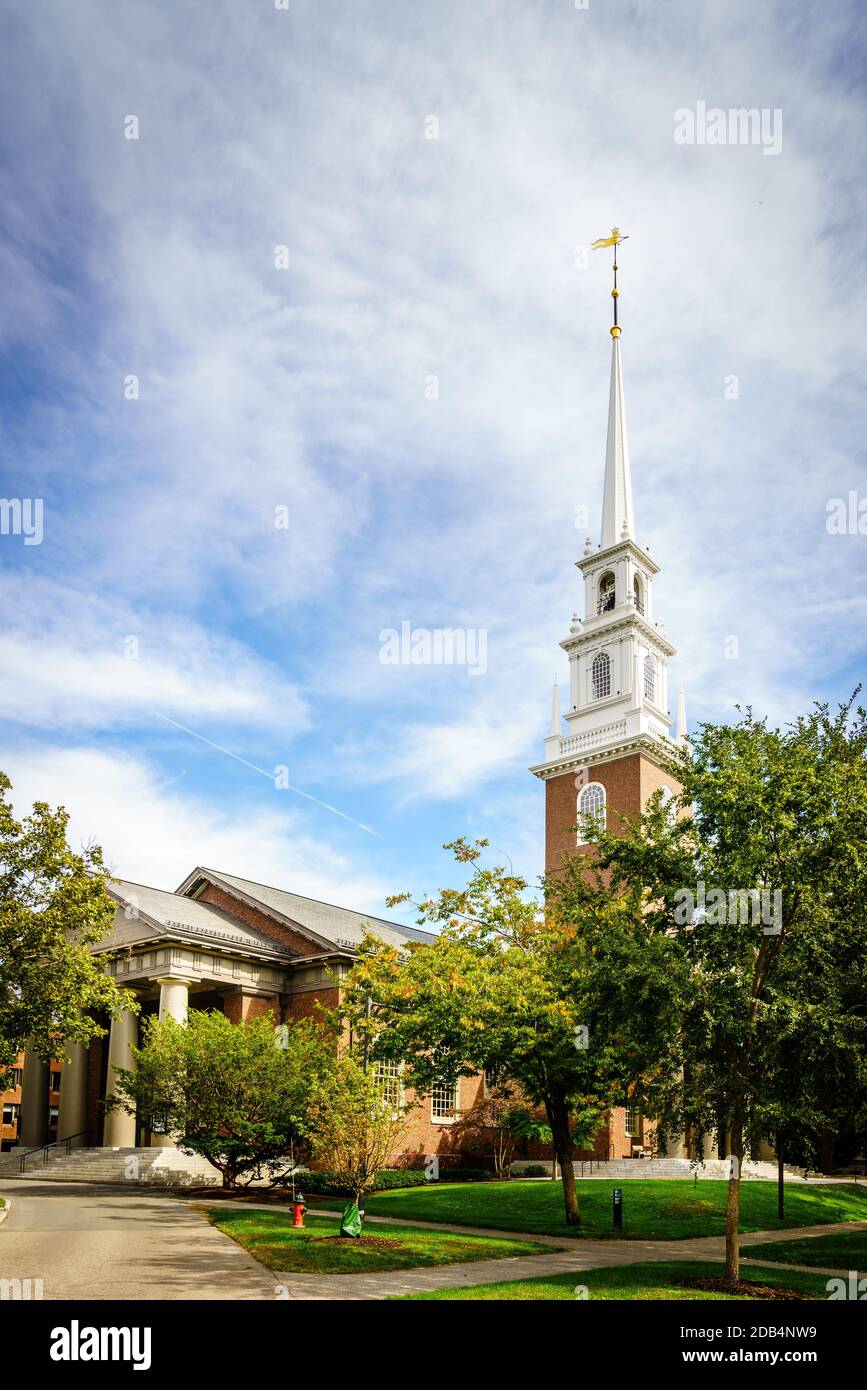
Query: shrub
[{"x": 533, "y": 1170}]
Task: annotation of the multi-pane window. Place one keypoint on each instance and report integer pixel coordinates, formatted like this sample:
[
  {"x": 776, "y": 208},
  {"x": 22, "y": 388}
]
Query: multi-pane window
[
  {"x": 389, "y": 1078},
  {"x": 632, "y": 1123},
  {"x": 17, "y": 1073},
  {"x": 649, "y": 678},
  {"x": 444, "y": 1102},
  {"x": 600, "y": 674},
  {"x": 591, "y": 806},
  {"x": 10, "y": 1114}
]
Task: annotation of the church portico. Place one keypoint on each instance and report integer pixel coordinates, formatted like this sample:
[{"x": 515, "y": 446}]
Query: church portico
[{"x": 217, "y": 942}]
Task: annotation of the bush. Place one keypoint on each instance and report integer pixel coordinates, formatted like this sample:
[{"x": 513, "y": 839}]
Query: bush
[
  {"x": 335, "y": 1184},
  {"x": 328, "y": 1184},
  {"x": 533, "y": 1170}
]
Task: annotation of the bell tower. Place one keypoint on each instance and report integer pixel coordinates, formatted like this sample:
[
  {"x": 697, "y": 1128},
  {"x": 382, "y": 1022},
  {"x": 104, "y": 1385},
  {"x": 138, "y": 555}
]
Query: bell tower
[{"x": 617, "y": 720}]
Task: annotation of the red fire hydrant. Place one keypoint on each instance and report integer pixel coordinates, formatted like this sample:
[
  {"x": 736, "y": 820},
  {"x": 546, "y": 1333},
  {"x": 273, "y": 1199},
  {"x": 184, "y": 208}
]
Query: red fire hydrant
[{"x": 298, "y": 1209}]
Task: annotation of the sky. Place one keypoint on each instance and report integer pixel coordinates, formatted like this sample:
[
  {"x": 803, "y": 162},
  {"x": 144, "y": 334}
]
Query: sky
[{"x": 300, "y": 341}]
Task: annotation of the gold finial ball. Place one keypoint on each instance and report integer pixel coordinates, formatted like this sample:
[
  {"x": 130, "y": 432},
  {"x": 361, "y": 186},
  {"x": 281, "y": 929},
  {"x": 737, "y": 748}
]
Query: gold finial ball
[
  {"x": 615, "y": 294},
  {"x": 615, "y": 332}
]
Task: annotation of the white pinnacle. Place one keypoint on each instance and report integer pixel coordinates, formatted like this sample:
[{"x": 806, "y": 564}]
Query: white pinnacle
[
  {"x": 681, "y": 718},
  {"x": 555, "y": 709},
  {"x": 617, "y": 519}
]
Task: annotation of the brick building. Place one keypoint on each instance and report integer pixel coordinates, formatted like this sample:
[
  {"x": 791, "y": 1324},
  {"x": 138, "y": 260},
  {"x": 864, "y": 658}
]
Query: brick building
[{"x": 217, "y": 942}]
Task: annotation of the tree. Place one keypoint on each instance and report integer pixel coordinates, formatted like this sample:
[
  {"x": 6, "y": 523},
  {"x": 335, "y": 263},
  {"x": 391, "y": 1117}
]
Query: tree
[
  {"x": 538, "y": 994},
  {"x": 759, "y": 887},
  {"x": 54, "y": 907},
  {"x": 355, "y": 1123},
  {"x": 494, "y": 1123},
  {"x": 239, "y": 1094}
]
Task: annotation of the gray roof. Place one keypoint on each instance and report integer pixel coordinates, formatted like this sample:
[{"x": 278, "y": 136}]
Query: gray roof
[
  {"x": 181, "y": 917},
  {"x": 331, "y": 925}
]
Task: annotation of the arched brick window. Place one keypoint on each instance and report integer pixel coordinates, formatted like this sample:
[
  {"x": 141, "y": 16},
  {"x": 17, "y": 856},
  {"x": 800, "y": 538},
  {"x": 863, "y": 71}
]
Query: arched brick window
[{"x": 591, "y": 806}]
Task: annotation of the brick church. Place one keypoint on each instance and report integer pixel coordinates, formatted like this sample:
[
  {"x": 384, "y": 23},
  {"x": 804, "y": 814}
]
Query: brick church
[{"x": 220, "y": 941}]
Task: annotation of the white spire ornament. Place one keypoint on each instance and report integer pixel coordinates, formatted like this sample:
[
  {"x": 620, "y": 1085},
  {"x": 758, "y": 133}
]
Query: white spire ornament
[{"x": 680, "y": 738}]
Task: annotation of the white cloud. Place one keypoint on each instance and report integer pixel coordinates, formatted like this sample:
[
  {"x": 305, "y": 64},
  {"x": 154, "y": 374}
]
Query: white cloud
[
  {"x": 153, "y": 833},
  {"x": 76, "y": 659}
]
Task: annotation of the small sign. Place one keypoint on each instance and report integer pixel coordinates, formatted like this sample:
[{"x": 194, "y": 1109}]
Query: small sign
[{"x": 617, "y": 1210}]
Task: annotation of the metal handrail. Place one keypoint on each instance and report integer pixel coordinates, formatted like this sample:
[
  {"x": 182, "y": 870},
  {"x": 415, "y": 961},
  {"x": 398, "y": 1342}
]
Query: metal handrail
[{"x": 66, "y": 1144}]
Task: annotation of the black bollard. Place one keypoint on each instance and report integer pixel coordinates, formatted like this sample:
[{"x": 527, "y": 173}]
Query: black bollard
[{"x": 617, "y": 1211}]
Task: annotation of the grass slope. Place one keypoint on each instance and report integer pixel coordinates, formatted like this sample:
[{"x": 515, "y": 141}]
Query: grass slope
[
  {"x": 632, "y": 1282},
  {"x": 653, "y": 1208},
  {"x": 270, "y": 1238},
  {"x": 845, "y": 1251}
]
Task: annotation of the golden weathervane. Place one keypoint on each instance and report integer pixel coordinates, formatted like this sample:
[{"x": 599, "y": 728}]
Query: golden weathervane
[{"x": 613, "y": 240}]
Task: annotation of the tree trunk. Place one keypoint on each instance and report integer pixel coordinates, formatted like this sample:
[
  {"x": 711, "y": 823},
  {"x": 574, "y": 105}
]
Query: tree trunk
[
  {"x": 558, "y": 1118},
  {"x": 733, "y": 1204}
]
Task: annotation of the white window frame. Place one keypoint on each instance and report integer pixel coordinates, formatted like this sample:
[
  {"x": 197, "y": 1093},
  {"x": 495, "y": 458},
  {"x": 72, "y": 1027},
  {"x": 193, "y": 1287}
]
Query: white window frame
[
  {"x": 649, "y": 678},
  {"x": 390, "y": 1075},
  {"x": 598, "y": 812},
  {"x": 437, "y": 1095},
  {"x": 600, "y": 687},
  {"x": 632, "y": 1127}
]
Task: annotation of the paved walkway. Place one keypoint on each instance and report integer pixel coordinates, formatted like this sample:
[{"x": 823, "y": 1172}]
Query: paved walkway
[
  {"x": 578, "y": 1255},
  {"x": 89, "y": 1242}
]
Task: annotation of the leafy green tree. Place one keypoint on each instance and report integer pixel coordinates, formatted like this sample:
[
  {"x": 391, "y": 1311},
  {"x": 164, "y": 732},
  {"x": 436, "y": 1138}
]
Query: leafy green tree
[
  {"x": 239, "y": 1094},
  {"x": 540, "y": 995},
  {"x": 759, "y": 886},
  {"x": 54, "y": 907},
  {"x": 356, "y": 1125}
]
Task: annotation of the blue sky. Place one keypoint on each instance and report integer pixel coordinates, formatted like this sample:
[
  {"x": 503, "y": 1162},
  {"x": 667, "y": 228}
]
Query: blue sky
[{"x": 308, "y": 387}]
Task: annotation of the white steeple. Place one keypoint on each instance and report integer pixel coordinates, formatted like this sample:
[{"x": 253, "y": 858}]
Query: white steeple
[
  {"x": 617, "y": 701},
  {"x": 617, "y": 518}
]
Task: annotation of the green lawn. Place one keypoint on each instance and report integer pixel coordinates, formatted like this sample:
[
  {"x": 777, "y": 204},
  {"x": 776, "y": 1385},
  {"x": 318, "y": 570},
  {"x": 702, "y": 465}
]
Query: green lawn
[
  {"x": 653, "y": 1208},
  {"x": 269, "y": 1237},
  {"x": 643, "y": 1281},
  {"x": 845, "y": 1251}
]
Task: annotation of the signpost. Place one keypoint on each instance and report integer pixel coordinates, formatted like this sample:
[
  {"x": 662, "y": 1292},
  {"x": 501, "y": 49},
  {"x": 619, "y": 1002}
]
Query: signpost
[{"x": 618, "y": 1209}]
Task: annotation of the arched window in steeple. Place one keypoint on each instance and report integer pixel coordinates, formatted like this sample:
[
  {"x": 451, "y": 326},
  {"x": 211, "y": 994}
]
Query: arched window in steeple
[
  {"x": 649, "y": 678},
  {"x": 607, "y": 590},
  {"x": 600, "y": 673},
  {"x": 638, "y": 595},
  {"x": 591, "y": 807}
]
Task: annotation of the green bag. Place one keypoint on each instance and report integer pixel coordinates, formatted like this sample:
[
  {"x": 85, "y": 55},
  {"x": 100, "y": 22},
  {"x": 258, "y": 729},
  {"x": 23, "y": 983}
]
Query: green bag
[{"x": 350, "y": 1222}]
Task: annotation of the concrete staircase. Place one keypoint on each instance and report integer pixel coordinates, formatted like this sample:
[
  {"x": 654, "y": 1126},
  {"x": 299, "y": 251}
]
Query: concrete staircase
[
  {"x": 159, "y": 1167},
  {"x": 620, "y": 1169}
]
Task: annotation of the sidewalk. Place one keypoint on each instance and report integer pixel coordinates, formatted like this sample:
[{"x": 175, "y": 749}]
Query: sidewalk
[{"x": 580, "y": 1255}]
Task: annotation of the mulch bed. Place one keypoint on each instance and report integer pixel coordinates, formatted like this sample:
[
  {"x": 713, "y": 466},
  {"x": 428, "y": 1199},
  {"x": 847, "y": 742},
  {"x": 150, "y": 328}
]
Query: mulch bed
[{"x": 711, "y": 1285}]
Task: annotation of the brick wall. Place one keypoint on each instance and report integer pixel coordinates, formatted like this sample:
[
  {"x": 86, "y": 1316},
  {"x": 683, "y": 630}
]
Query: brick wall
[{"x": 254, "y": 918}]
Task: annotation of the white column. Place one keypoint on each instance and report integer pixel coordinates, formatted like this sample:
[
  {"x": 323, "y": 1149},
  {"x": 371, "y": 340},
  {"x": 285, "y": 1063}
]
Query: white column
[
  {"x": 174, "y": 998},
  {"x": 174, "y": 1003},
  {"x": 73, "y": 1096},
  {"x": 676, "y": 1148},
  {"x": 119, "y": 1130},
  {"x": 33, "y": 1126}
]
